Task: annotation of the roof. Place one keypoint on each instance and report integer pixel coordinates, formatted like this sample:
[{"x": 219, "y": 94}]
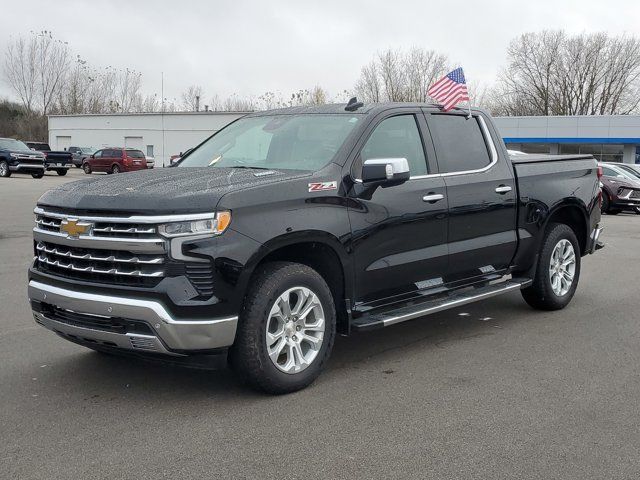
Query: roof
[{"x": 339, "y": 108}]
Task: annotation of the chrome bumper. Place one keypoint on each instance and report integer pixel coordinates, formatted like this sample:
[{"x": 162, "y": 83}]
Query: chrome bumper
[
  {"x": 171, "y": 334},
  {"x": 25, "y": 166}
]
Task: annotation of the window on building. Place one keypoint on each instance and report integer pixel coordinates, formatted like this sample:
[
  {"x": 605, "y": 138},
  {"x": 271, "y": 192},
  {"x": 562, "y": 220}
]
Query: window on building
[
  {"x": 150, "y": 151},
  {"x": 461, "y": 146},
  {"x": 535, "y": 148},
  {"x": 602, "y": 152}
]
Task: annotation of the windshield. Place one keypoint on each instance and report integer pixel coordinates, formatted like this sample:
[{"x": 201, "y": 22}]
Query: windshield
[
  {"x": 631, "y": 172},
  {"x": 288, "y": 142},
  {"x": 87, "y": 149},
  {"x": 11, "y": 144}
]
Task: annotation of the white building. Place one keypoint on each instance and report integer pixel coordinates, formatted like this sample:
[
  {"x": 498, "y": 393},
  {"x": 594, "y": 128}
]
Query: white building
[
  {"x": 157, "y": 135},
  {"x": 607, "y": 137}
]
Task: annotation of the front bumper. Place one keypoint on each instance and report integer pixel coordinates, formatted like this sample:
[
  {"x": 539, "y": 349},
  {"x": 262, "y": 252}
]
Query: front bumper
[
  {"x": 26, "y": 167},
  {"x": 170, "y": 335}
]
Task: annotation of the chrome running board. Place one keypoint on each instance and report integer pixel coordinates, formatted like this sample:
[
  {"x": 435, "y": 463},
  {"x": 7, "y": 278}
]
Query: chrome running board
[{"x": 453, "y": 300}]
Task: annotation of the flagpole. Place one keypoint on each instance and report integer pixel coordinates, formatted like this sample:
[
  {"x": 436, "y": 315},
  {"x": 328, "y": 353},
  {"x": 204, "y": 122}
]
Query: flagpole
[{"x": 468, "y": 101}]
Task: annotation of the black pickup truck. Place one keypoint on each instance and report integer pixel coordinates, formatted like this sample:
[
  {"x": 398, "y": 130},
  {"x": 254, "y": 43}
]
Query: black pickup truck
[
  {"x": 57, "y": 161},
  {"x": 16, "y": 157},
  {"x": 289, "y": 226}
]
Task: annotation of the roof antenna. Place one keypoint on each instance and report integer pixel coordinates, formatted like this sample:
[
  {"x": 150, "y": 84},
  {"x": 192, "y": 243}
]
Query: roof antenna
[{"x": 353, "y": 105}]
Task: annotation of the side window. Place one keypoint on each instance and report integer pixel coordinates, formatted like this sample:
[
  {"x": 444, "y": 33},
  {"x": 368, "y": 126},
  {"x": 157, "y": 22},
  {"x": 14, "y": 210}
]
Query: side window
[
  {"x": 460, "y": 144},
  {"x": 98, "y": 154},
  {"x": 397, "y": 137},
  {"x": 609, "y": 172}
]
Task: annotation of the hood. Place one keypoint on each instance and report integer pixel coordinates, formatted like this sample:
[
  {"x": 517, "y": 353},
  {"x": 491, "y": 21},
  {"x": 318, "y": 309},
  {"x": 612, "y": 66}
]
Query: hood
[{"x": 162, "y": 190}]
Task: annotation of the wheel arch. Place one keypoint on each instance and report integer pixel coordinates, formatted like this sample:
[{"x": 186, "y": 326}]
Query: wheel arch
[
  {"x": 318, "y": 250},
  {"x": 575, "y": 216}
]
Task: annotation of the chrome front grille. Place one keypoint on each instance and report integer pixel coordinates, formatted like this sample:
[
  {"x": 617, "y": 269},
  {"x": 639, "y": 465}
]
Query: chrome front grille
[
  {"x": 51, "y": 222},
  {"x": 122, "y": 251},
  {"x": 100, "y": 261}
]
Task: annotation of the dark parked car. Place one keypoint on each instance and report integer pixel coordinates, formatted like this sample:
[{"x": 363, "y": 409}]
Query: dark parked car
[
  {"x": 115, "y": 160},
  {"x": 620, "y": 190},
  {"x": 79, "y": 154},
  {"x": 57, "y": 161},
  {"x": 287, "y": 227},
  {"x": 16, "y": 157}
]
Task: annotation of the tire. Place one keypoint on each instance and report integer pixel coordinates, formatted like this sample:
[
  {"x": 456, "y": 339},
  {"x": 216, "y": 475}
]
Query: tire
[
  {"x": 115, "y": 169},
  {"x": 38, "y": 175},
  {"x": 543, "y": 294},
  {"x": 4, "y": 169},
  {"x": 87, "y": 168},
  {"x": 614, "y": 211},
  {"x": 249, "y": 356},
  {"x": 62, "y": 173},
  {"x": 638, "y": 210},
  {"x": 605, "y": 202}
]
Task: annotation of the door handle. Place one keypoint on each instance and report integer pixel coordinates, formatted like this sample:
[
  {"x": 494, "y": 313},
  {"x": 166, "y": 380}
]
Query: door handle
[
  {"x": 432, "y": 197},
  {"x": 502, "y": 189}
]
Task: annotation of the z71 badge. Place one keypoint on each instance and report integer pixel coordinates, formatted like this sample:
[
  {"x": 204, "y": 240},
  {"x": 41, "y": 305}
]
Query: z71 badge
[{"x": 323, "y": 186}]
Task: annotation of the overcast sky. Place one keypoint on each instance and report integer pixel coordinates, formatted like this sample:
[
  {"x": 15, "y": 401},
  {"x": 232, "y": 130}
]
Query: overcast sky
[{"x": 249, "y": 47}]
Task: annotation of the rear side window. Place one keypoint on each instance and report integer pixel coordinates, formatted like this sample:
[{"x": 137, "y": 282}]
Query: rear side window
[
  {"x": 460, "y": 144},
  {"x": 135, "y": 154},
  {"x": 397, "y": 137}
]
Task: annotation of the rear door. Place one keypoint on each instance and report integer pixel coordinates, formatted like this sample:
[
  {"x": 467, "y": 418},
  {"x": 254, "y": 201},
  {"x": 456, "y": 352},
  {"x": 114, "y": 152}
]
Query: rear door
[
  {"x": 481, "y": 193},
  {"x": 398, "y": 236}
]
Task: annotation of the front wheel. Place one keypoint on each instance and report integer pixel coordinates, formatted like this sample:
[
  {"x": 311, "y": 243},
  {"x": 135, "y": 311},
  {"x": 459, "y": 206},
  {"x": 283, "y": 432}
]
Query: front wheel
[
  {"x": 605, "y": 202},
  {"x": 87, "y": 168},
  {"x": 61, "y": 172},
  {"x": 286, "y": 328},
  {"x": 558, "y": 270},
  {"x": 4, "y": 169},
  {"x": 38, "y": 175}
]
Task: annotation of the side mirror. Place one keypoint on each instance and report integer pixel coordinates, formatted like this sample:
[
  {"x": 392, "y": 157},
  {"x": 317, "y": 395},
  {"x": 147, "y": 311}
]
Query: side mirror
[
  {"x": 92, "y": 156},
  {"x": 385, "y": 171}
]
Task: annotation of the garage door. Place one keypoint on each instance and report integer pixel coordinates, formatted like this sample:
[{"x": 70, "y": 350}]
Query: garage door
[
  {"x": 134, "y": 142},
  {"x": 62, "y": 143}
]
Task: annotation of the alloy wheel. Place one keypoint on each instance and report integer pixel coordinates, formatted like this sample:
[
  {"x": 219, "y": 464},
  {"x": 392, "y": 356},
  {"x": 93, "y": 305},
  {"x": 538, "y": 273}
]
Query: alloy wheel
[
  {"x": 562, "y": 267},
  {"x": 4, "y": 168},
  {"x": 295, "y": 330}
]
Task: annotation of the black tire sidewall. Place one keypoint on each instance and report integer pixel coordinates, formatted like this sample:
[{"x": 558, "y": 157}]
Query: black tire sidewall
[
  {"x": 86, "y": 168},
  {"x": 62, "y": 173},
  {"x": 605, "y": 202},
  {"x": 249, "y": 354},
  {"x": 8, "y": 174},
  {"x": 540, "y": 294}
]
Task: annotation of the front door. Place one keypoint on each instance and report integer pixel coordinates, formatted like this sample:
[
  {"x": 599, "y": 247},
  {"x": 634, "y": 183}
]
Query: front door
[
  {"x": 481, "y": 192},
  {"x": 399, "y": 234}
]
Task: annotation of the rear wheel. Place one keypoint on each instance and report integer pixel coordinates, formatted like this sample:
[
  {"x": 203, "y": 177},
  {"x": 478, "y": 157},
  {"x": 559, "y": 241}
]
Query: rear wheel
[
  {"x": 61, "y": 172},
  {"x": 115, "y": 169},
  {"x": 558, "y": 270},
  {"x": 614, "y": 211},
  {"x": 38, "y": 175},
  {"x": 286, "y": 329},
  {"x": 87, "y": 168},
  {"x": 4, "y": 169}
]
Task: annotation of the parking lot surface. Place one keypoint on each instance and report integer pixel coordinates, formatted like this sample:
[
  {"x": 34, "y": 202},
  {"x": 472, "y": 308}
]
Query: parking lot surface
[{"x": 490, "y": 390}]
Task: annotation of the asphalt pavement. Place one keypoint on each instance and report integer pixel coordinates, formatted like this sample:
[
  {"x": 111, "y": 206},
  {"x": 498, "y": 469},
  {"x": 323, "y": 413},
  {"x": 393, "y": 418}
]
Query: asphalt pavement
[{"x": 491, "y": 390}]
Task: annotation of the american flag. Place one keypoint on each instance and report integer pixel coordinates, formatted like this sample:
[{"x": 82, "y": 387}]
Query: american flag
[{"x": 450, "y": 89}]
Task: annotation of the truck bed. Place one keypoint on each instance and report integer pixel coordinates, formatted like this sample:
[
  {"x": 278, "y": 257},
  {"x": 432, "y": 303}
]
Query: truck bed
[{"x": 537, "y": 158}]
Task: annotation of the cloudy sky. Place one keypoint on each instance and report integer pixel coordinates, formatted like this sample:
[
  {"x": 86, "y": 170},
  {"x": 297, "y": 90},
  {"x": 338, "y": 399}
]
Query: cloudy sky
[{"x": 249, "y": 47}]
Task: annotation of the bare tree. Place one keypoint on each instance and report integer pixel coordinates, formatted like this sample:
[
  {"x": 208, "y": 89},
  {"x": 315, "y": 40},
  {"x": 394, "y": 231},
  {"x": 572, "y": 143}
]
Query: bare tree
[
  {"x": 192, "y": 97},
  {"x": 20, "y": 70},
  {"x": 398, "y": 76},
  {"x": 553, "y": 73},
  {"x": 35, "y": 69}
]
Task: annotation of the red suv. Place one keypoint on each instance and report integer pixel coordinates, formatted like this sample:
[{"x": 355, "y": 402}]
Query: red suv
[{"x": 115, "y": 160}]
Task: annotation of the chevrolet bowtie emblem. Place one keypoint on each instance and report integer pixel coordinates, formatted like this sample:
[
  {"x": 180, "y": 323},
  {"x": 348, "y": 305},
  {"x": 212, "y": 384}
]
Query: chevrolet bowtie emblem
[{"x": 74, "y": 228}]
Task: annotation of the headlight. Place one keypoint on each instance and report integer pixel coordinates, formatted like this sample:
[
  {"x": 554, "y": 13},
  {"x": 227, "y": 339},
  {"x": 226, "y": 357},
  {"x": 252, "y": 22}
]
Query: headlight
[{"x": 215, "y": 225}]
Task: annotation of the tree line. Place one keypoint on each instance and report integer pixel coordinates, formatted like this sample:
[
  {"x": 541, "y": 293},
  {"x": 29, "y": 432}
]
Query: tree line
[{"x": 545, "y": 73}]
